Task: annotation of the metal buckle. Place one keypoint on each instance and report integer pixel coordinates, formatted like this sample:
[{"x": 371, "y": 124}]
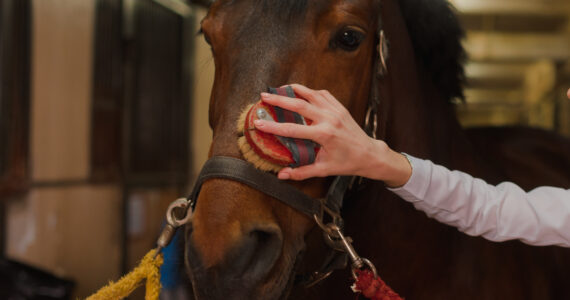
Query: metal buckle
[{"x": 371, "y": 116}]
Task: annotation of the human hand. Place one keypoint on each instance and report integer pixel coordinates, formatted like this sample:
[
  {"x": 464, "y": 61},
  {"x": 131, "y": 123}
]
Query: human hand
[
  {"x": 345, "y": 147},
  {"x": 568, "y": 94}
]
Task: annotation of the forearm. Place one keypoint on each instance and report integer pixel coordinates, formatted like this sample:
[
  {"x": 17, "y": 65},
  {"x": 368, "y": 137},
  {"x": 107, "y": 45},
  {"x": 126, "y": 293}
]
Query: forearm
[{"x": 498, "y": 213}]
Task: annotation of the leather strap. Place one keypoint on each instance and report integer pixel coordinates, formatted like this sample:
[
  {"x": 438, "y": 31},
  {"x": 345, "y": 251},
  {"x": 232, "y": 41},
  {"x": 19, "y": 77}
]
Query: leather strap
[
  {"x": 337, "y": 191},
  {"x": 242, "y": 171}
]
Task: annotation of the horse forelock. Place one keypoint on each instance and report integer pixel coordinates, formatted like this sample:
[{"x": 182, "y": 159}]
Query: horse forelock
[
  {"x": 286, "y": 8},
  {"x": 265, "y": 37},
  {"x": 290, "y": 7}
]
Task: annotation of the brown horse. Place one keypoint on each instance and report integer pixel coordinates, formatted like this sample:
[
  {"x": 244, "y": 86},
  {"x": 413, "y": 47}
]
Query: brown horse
[{"x": 245, "y": 245}]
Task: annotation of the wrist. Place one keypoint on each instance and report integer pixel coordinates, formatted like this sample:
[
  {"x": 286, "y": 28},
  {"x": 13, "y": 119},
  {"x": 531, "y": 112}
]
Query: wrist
[
  {"x": 387, "y": 165},
  {"x": 401, "y": 170},
  {"x": 372, "y": 164}
]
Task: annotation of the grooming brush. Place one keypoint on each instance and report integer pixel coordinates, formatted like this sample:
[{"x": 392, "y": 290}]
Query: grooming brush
[{"x": 269, "y": 152}]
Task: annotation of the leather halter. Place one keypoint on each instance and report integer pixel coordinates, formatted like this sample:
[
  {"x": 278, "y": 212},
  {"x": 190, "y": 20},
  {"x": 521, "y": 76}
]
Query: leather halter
[{"x": 241, "y": 171}]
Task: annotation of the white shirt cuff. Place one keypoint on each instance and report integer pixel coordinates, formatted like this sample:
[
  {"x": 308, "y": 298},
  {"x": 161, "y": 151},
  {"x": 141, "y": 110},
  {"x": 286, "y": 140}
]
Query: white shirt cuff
[{"x": 415, "y": 189}]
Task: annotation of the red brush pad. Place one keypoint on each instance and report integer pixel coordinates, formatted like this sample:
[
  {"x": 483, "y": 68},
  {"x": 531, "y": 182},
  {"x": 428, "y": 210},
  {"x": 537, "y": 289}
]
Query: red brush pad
[{"x": 266, "y": 145}]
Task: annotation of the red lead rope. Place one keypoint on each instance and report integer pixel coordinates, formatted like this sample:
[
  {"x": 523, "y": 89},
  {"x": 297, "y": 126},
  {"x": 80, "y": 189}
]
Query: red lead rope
[{"x": 373, "y": 288}]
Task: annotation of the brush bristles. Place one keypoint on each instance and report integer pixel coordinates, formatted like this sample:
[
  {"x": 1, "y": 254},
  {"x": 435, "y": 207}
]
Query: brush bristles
[
  {"x": 241, "y": 120},
  {"x": 255, "y": 159},
  {"x": 246, "y": 150}
]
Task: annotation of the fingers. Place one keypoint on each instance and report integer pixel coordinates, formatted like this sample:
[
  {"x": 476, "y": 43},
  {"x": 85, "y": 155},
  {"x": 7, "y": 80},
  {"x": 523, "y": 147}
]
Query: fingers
[
  {"x": 568, "y": 94},
  {"x": 297, "y": 105},
  {"x": 301, "y": 173},
  {"x": 293, "y": 130},
  {"x": 331, "y": 100},
  {"x": 310, "y": 95},
  {"x": 321, "y": 98}
]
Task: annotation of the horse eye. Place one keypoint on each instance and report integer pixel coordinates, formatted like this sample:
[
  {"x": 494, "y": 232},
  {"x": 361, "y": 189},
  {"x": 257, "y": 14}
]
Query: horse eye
[
  {"x": 207, "y": 39},
  {"x": 204, "y": 35},
  {"x": 348, "y": 39}
]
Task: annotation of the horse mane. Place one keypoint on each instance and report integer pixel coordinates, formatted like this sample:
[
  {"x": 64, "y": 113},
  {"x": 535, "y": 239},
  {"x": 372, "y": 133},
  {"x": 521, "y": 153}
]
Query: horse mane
[{"x": 436, "y": 37}]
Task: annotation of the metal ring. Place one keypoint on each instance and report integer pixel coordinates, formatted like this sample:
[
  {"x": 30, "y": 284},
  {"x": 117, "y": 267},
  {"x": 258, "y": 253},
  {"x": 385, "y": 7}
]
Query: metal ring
[
  {"x": 182, "y": 203},
  {"x": 370, "y": 265},
  {"x": 370, "y": 112},
  {"x": 317, "y": 277},
  {"x": 326, "y": 228}
]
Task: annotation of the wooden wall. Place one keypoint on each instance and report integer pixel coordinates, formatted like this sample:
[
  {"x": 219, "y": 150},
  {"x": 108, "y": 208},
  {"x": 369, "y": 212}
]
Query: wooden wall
[
  {"x": 78, "y": 220},
  {"x": 64, "y": 224},
  {"x": 519, "y": 53}
]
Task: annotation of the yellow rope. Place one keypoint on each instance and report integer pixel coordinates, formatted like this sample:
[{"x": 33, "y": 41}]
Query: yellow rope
[{"x": 149, "y": 268}]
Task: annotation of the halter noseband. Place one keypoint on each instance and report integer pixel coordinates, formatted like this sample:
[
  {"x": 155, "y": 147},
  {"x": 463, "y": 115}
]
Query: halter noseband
[{"x": 243, "y": 172}]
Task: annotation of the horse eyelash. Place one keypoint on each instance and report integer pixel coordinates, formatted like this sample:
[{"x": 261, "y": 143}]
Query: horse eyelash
[{"x": 201, "y": 33}]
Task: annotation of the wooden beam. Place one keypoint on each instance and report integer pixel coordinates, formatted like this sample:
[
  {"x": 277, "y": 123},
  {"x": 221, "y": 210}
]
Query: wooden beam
[
  {"x": 486, "y": 97},
  {"x": 495, "y": 70},
  {"x": 496, "y": 115},
  {"x": 483, "y": 46},
  {"x": 489, "y": 75},
  {"x": 513, "y": 7},
  {"x": 516, "y": 23}
]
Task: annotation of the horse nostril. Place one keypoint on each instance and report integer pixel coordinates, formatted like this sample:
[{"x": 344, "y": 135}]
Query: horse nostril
[{"x": 257, "y": 252}]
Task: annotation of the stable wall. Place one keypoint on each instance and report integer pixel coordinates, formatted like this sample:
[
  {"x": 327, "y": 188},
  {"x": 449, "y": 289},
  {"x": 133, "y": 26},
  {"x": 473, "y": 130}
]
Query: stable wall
[{"x": 65, "y": 224}]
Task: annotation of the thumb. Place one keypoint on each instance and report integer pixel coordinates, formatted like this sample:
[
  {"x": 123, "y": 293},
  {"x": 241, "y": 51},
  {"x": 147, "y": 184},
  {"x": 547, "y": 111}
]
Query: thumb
[{"x": 301, "y": 173}]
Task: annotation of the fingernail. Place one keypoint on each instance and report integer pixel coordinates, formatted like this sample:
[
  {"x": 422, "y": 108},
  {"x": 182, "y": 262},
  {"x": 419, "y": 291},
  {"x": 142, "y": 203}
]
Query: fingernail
[
  {"x": 258, "y": 123},
  {"x": 265, "y": 95},
  {"x": 283, "y": 175}
]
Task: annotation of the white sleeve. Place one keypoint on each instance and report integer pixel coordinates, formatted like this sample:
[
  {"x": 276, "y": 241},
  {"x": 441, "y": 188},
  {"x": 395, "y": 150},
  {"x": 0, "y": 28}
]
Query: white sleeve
[{"x": 498, "y": 213}]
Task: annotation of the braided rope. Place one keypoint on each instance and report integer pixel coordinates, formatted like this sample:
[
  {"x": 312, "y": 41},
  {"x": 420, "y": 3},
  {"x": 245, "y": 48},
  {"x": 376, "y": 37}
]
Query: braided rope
[
  {"x": 372, "y": 287},
  {"x": 148, "y": 269}
]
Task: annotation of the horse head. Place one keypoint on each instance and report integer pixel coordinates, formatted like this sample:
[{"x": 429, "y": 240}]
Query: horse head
[{"x": 242, "y": 243}]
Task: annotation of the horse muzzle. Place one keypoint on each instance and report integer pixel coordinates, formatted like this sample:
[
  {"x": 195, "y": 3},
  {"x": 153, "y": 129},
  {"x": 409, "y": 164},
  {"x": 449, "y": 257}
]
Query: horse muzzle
[
  {"x": 256, "y": 265},
  {"x": 247, "y": 258}
]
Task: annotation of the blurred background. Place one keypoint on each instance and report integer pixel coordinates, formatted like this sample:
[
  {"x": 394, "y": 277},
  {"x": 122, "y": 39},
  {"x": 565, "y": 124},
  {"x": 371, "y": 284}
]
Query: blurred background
[{"x": 104, "y": 104}]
